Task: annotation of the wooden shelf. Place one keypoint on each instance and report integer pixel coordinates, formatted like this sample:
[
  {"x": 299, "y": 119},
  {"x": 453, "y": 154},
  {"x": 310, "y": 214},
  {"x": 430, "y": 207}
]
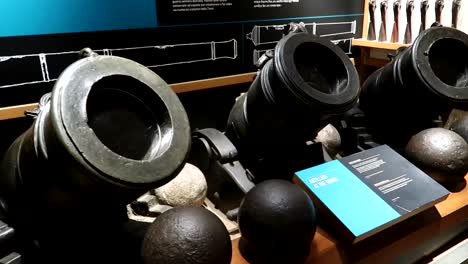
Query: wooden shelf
[
  {"x": 384, "y": 247},
  {"x": 213, "y": 82},
  {"x": 17, "y": 111},
  {"x": 378, "y": 45}
]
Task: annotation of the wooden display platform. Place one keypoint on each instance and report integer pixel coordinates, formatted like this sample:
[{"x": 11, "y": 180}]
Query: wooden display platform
[
  {"x": 367, "y": 60},
  {"x": 389, "y": 244},
  {"x": 364, "y": 43},
  {"x": 17, "y": 111}
]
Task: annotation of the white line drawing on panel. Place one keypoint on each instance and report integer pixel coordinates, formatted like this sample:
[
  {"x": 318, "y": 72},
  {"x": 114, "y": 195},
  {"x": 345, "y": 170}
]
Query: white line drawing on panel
[
  {"x": 266, "y": 34},
  {"x": 269, "y": 34},
  {"x": 345, "y": 44},
  {"x": 149, "y": 56},
  {"x": 323, "y": 26}
]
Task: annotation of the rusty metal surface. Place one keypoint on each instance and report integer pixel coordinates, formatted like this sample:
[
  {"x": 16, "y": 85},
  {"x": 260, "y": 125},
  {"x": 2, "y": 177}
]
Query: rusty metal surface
[
  {"x": 409, "y": 13},
  {"x": 371, "y": 35},
  {"x": 396, "y": 21},
  {"x": 441, "y": 153},
  {"x": 383, "y": 25}
]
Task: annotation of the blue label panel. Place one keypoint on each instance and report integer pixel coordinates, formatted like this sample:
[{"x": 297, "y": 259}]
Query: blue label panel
[
  {"x": 36, "y": 17},
  {"x": 346, "y": 196}
]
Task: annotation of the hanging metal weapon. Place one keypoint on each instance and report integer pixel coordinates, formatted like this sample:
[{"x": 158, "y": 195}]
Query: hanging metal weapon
[
  {"x": 439, "y": 6},
  {"x": 456, "y": 4},
  {"x": 424, "y": 8},
  {"x": 396, "y": 23},
  {"x": 371, "y": 30},
  {"x": 409, "y": 11},
  {"x": 383, "y": 25}
]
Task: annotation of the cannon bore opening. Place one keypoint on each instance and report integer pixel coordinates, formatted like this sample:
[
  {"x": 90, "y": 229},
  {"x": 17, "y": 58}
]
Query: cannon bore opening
[
  {"x": 447, "y": 58},
  {"x": 128, "y": 117}
]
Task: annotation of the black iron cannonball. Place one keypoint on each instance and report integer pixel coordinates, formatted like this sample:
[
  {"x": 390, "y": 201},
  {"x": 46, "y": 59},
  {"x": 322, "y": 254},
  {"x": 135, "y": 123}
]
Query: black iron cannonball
[
  {"x": 187, "y": 235},
  {"x": 441, "y": 153},
  {"x": 277, "y": 222}
]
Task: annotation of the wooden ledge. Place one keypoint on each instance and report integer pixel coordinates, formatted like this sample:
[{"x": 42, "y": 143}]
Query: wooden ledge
[
  {"x": 17, "y": 111},
  {"x": 388, "y": 244},
  {"x": 376, "y": 44},
  {"x": 213, "y": 82}
]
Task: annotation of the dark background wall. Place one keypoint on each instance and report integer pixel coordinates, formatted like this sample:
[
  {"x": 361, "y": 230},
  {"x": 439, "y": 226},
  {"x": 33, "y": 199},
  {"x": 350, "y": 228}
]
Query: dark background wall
[
  {"x": 180, "y": 42},
  {"x": 39, "y": 39}
]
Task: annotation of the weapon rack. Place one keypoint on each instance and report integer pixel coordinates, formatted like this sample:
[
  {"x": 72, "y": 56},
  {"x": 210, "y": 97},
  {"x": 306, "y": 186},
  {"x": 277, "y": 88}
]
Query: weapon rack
[{"x": 373, "y": 53}]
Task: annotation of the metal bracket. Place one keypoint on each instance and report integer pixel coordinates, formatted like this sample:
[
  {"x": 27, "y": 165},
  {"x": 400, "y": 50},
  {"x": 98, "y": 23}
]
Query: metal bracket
[
  {"x": 264, "y": 58},
  {"x": 225, "y": 153},
  {"x": 36, "y": 111},
  {"x": 227, "y": 179},
  {"x": 355, "y": 136}
]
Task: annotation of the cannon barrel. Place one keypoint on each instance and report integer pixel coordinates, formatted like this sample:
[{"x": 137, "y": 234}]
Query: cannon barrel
[
  {"x": 421, "y": 83},
  {"x": 110, "y": 130},
  {"x": 307, "y": 82}
]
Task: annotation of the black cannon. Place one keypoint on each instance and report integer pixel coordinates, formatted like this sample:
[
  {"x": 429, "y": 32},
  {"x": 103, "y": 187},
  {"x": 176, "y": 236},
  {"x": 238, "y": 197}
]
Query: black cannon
[
  {"x": 419, "y": 86},
  {"x": 307, "y": 82},
  {"x": 303, "y": 84},
  {"x": 405, "y": 103},
  {"x": 110, "y": 130}
]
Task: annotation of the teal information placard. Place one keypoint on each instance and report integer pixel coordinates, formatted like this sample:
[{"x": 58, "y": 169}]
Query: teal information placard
[{"x": 367, "y": 192}]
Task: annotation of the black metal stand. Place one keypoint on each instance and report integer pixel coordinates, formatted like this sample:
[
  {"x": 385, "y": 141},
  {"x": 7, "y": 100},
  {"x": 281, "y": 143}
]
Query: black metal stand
[{"x": 228, "y": 178}]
